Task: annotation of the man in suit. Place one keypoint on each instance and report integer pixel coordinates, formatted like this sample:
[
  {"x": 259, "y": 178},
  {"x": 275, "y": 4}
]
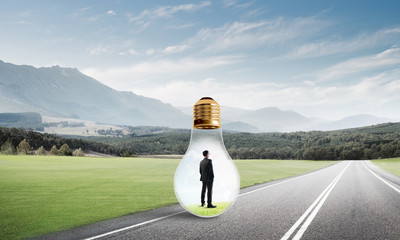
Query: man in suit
[{"x": 207, "y": 177}]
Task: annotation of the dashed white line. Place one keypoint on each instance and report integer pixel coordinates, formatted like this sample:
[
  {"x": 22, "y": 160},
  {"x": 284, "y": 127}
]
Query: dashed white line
[{"x": 319, "y": 202}]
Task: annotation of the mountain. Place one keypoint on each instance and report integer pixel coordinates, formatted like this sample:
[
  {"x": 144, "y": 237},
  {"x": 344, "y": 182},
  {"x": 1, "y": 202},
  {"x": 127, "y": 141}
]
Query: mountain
[
  {"x": 354, "y": 121},
  {"x": 240, "y": 127},
  {"x": 27, "y": 120},
  {"x": 273, "y": 119},
  {"x": 270, "y": 119},
  {"x": 66, "y": 92}
]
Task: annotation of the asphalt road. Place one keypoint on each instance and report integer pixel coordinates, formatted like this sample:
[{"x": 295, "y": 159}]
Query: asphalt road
[{"x": 348, "y": 200}]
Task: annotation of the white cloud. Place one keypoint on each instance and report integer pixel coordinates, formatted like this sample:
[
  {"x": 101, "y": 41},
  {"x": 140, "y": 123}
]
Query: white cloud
[
  {"x": 249, "y": 35},
  {"x": 175, "y": 49},
  {"x": 309, "y": 83},
  {"x": 150, "y": 52},
  {"x": 147, "y": 16},
  {"x": 123, "y": 78},
  {"x": 111, "y": 12},
  {"x": 121, "y": 48},
  {"x": 335, "y": 46},
  {"x": 130, "y": 51},
  {"x": 23, "y": 22},
  {"x": 182, "y": 26},
  {"x": 100, "y": 49},
  {"x": 387, "y": 58},
  {"x": 375, "y": 95},
  {"x": 80, "y": 11}
]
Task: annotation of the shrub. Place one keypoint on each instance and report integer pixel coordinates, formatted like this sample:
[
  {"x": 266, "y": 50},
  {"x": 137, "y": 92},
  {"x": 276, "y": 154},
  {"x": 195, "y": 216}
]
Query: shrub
[
  {"x": 24, "y": 148},
  {"x": 54, "y": 150},
  {"x": 128, "y": 153},
  {"x": 65, "y": 150},
  {"x": 78, "y": 153},
  {"x": 8, "y": 148},
  {"x": 41, "y": 151}
]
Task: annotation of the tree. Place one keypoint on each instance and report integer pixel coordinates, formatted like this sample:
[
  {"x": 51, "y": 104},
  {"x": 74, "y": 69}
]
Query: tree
[
  {"x": 128, "y": 153},
  {"x": 24, "y": 148},
  {"x": 78, "y": 153},
  {"x": 8, "y": 148},
  {"x": 41, "y": 151},
  {"x": 54, "y": 150},
  {"x": 65, "y": 150}
]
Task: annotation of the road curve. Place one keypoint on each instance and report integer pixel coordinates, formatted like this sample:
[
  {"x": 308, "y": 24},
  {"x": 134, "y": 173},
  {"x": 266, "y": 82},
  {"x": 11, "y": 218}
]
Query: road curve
[{"x": 347, "y": 200}]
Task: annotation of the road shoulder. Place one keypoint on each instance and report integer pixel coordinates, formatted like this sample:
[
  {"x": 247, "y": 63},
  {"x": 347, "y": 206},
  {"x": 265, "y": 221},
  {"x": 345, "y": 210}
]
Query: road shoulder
[{"x": 384, "y": 174}]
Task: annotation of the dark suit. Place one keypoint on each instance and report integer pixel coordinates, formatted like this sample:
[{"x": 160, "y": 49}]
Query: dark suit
[{"x": 207, "y": 177}]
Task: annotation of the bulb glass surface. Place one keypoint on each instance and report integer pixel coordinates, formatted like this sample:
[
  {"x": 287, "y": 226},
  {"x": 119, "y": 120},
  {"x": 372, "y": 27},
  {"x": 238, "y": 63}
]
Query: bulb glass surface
[{"x": 187, "y": 182}]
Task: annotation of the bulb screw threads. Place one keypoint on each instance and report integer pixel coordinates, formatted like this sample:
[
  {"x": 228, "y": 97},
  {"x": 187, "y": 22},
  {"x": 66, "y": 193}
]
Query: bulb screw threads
[{"x": 206, "y": 114}]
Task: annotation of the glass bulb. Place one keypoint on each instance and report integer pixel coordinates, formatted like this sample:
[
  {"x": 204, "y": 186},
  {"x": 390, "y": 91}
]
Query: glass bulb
[{"x": 206, "y": 135}]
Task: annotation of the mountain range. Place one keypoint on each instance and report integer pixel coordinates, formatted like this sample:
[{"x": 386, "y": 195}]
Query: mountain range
[
  {"x": 66, "y": 92},
  {"x": 273, "y": 119}
]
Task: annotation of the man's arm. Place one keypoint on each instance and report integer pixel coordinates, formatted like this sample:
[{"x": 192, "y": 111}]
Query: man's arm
[{"x": 211, "y": 170}]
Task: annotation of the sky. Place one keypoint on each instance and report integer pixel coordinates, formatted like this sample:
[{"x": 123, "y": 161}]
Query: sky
[{"x": 324, "y": 59}]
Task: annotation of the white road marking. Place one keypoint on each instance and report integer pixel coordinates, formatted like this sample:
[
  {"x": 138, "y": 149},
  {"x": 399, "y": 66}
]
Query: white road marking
[
  {"x": 383, "y": 180},
  {"x": 323, "y": 196},
  {"x": 133, "y": 226},
  {"x": 262, "y": 188},
  {"x": 167, "y": 216}
]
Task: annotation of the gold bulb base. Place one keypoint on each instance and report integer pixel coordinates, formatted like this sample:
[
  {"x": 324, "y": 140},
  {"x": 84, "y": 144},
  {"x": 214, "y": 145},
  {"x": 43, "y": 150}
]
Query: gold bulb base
[{"x": 206, "y": 114}]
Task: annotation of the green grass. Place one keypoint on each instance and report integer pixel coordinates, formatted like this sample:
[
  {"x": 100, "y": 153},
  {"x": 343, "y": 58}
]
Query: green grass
[
  {"x": 391, "y": 165},
  {"x": 208, "y": 212},
  {"x": 42, "y": 194}
]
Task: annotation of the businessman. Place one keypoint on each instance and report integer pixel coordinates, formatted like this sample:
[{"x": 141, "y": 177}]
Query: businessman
[{"x": 207, "y": 177}]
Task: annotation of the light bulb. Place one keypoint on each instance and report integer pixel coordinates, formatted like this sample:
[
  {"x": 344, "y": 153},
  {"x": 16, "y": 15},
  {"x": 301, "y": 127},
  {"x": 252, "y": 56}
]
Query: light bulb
[{"x": 206, "y": 135}]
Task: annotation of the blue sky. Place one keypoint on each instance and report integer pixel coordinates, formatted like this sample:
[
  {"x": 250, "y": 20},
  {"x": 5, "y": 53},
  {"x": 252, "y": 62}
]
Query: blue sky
[{"x": 326, "y": 59}]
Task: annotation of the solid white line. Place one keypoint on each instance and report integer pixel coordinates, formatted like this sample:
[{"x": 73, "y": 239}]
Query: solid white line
[
  {"x": 133, "y": 226},
  {"x": 390, "y": 185},
  {"x": 307, "y": 223},
  {"x": 167, "y": 216},
  {"x": 262, "y": 188},
  {"x": 305, "y": 214}
]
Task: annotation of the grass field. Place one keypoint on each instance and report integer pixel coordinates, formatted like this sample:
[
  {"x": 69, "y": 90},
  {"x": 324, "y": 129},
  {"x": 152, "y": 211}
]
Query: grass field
[
  {"x": 42, "y": 194},
  {"x": 391, "y": 165}
]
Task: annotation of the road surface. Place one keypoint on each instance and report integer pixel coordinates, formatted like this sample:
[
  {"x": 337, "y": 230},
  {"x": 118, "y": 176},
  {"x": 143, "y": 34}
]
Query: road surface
[{"x": 348, "y": 200}]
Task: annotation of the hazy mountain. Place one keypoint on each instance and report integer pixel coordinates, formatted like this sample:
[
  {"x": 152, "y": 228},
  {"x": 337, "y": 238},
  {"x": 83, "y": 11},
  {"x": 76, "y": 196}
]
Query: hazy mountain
[
  {"x": 239, "y": 127},
  {"x": 66, "y": 92},
  {"x": 273, "y": 119},
  {"x": 27, "y": 120},
  {"x": 228, "y": 119},
  {"x": 269, "y": 119},
  {"x": 351, "y": 122}
]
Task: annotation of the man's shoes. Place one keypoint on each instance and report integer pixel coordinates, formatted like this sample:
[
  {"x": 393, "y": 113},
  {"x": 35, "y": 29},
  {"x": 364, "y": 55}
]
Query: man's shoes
[
  {"x": 202, "y": 204},
  {"x": 211, "y": 206}
]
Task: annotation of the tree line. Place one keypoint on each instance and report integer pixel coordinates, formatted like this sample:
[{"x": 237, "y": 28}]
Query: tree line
[
  {"x": 379, "y": 141},
  {"x": 373, "y": 142},
  {"x": 24, "y": 148},
  {"x": 39, "y": 143}
]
